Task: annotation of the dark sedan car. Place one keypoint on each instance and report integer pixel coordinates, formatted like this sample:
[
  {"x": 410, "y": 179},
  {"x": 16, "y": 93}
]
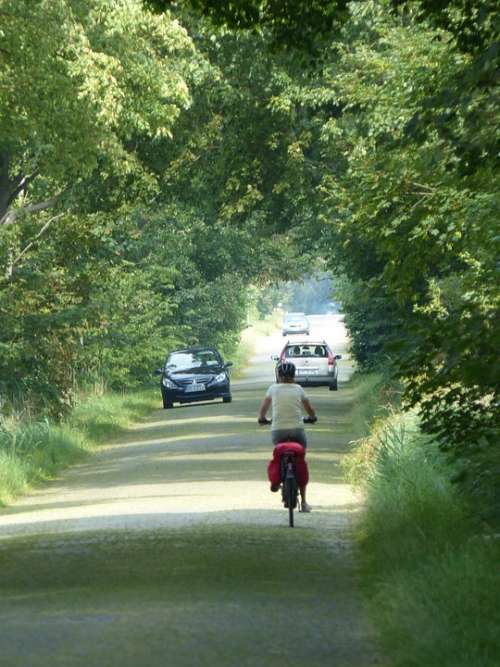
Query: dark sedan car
[{"x": 194, "y": 374}]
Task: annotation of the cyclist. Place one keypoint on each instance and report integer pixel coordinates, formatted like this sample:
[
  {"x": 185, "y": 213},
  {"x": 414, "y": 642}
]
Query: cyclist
[{"x": 288, "y": 401}]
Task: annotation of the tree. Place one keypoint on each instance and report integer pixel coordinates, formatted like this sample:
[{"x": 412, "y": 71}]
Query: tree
[
  {"x": 414, "y": 205},
  {"x": 301, "y": 24},
  {"x": 79, "y": 82}
]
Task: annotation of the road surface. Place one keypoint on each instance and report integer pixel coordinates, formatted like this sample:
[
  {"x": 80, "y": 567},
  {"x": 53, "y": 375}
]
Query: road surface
[{"x": 167, "y": 548}]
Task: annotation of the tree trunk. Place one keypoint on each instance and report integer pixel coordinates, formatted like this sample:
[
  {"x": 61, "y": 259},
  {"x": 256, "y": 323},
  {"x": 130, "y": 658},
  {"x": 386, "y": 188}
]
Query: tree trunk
[
  {"x": 11, "y": 187},
  {"x": 6, "y": 185}
]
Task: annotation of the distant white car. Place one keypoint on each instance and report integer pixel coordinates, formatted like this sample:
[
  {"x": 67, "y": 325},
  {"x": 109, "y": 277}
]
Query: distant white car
[
  {"x": 315, "y": 364},
  {"x": 296, "y": 323}
]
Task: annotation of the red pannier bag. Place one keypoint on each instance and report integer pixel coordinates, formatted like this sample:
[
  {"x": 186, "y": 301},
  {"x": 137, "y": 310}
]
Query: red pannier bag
[{"x": 273, "y": 468}]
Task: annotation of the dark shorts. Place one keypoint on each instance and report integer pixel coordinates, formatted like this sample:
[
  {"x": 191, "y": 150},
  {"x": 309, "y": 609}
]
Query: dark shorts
[{"x": 289, "y": 435}]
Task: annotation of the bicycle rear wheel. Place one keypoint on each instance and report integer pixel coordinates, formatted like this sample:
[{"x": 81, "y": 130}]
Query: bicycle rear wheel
[{"x": 290, "y": 497}]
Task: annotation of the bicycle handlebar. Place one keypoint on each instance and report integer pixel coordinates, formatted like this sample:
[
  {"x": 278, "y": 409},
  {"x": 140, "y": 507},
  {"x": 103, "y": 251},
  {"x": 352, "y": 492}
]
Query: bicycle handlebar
[{"x": 310, "y": 420}]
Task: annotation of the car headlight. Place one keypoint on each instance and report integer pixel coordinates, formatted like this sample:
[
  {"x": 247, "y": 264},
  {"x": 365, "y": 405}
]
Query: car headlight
[
  {"x": 168, "y": 384},
  {"x": 218, "y": 379}
]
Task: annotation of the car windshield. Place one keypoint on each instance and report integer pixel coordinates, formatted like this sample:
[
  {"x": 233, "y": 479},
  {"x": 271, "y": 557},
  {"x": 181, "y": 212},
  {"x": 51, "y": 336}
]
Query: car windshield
[
  {"x": 306, "y": 351},
  {"x": 182, "y": 361}
]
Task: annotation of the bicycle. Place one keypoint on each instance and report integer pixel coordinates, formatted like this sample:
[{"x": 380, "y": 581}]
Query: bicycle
[
  {"x": 288, "y": 473},
  {"x": 289, "y": 486}
]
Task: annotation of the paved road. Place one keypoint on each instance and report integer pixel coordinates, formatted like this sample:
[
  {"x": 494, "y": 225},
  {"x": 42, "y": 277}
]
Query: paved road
[{"x": 168, "y": 548}]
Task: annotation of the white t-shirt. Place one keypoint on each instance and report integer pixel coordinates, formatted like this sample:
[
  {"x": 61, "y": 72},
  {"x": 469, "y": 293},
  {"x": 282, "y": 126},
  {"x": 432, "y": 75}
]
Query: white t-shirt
[{"x": 287, "y": 405}]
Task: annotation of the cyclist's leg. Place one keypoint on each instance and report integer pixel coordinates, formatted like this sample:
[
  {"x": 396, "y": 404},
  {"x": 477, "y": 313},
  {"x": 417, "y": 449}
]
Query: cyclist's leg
[
  {"x": 298, "y": 435},
  {"x": 278, "y": 437}
]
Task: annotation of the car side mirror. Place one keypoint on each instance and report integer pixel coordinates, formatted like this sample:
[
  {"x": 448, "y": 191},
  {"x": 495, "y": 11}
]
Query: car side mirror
[
  {"x": 338, "y": 356},
  {"x": 158, "y": 371},
  {"x": 228, "y": 364}
]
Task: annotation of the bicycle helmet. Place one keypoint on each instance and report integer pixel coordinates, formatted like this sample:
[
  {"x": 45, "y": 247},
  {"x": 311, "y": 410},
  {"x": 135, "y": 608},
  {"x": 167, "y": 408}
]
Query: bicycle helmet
[{"x": 285, "y": 369}]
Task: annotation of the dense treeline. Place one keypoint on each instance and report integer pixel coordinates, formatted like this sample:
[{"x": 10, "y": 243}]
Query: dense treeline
[
  {"x": 83, "y": 85},
  {"x": 415, "y": 210},
  {"x": 144, "y": 180},
  {"x": 156, "y": 158}
]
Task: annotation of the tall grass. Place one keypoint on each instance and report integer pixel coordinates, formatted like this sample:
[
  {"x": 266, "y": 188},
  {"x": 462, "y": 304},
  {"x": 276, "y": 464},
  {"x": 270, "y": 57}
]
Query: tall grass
[
  {"x": 433, "y": 578},
  {"x": 100, "y": 417},
  {"x": 246, "y": 347},
  {"x": 241, "y": 358},
  {"x": 371, "y": 401},
  {"x": 34, "y": 451}
]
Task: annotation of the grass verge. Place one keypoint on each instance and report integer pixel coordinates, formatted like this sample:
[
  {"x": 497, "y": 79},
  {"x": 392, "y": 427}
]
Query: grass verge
[
  {"x": 241, "y": 358},
  {"x": 432, "y": 576},
  {"x": 35, "y": 451},
  {"x": 371, "y": 401}
]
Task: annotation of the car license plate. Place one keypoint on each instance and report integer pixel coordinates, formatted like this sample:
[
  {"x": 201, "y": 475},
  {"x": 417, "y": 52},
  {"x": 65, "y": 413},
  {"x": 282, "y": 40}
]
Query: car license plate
[
  {"x": 307, "y": 371},
  {"x": 195, "y": 387}
]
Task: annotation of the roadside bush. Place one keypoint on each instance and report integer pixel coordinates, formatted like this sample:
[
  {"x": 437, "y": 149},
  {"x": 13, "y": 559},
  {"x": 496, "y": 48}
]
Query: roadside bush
[{"x": 432, "y": 576}]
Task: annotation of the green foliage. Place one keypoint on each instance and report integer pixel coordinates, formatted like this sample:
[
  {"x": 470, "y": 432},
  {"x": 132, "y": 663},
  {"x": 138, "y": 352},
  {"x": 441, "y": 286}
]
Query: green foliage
[
  {"x": 302, "y": 24},
  {"x": 100, "y": 294},
  {"x": 474, "y": 23},
  {"x": 238, "y": 156},
  {"x": 373, "y": 322},
  {"x": 80, "y": 82},
  {"x": 413, "y": 206},
  {"x": 299, "y": 25}
]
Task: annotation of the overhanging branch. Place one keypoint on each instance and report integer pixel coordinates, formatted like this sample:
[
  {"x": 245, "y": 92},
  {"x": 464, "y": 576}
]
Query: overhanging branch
[
  {"x": 11, "y": 216},
  {"x": 10, "y": 268}
]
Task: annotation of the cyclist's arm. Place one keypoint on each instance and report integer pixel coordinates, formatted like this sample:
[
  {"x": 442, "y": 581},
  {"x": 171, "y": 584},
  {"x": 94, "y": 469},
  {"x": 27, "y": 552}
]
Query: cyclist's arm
[
  {"x": 308, "y": 407},
  {"x": 264, "y": 407}
]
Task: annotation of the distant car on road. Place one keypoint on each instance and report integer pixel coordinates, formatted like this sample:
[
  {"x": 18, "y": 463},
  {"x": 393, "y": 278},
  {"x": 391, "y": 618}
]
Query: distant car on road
[
  {"x": 295, "y": 323},
  {"x": 194, "y": 374},
  {"x": 315, "y": 363}
]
